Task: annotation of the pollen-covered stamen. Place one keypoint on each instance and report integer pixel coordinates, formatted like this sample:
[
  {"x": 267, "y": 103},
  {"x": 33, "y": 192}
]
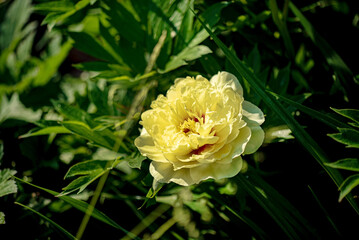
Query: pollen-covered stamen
[{"x": 191, "y": 125}]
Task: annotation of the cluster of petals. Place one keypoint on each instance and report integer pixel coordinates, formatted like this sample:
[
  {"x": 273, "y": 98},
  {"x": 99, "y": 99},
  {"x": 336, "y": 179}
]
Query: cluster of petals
[{"x": 200, "y": 130}]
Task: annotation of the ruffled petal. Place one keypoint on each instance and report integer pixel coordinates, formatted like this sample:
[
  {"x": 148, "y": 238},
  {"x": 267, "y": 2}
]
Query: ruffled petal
[
  {"x": 256, "y": 139},
  {"x": 223, "y": 79},
  {"x": 164, "y": 173},
  {"x": 252, "y": 112},
  {"x": 216, "y": 170},
  {"x": 147, "y": 148}
]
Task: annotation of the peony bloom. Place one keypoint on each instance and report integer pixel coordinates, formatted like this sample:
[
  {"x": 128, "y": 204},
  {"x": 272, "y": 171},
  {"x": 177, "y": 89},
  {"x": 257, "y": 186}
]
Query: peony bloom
[{"x": 199, "y": 130}]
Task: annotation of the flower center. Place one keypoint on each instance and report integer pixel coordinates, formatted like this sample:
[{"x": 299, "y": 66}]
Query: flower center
[{"x": 191, "y": 125}]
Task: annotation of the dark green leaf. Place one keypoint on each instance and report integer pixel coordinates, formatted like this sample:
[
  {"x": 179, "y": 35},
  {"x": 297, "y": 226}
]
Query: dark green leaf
[
  {"x": 351, "y": 164},
  {"x": 87, "y": 167},
  {"x": 324, "y": 118},
  {"x": 86, "y": 43},
  {"x": 352, "y": 114},
  {"x": 64, "y": 231},
  {"x": 349, "y": 183},
  {"x": 298, "y": 131},
  {"x": 83, "y": 207},
  {"x": 347, "y": 136}
]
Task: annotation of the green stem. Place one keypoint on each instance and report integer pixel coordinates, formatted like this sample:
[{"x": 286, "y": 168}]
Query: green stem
[{"x": 91, "y": 207}]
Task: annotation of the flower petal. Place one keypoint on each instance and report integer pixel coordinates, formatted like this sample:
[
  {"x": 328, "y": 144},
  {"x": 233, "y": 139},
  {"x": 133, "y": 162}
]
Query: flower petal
[
  {"x": 256, "y": 139},
  {"x": 252, "y": 112},
  {"x": 164, "y": 173},
  {"x": 216, "y": 170},
  {"x": 224, "y": 79},
  {"x": 146, "y": 146}
]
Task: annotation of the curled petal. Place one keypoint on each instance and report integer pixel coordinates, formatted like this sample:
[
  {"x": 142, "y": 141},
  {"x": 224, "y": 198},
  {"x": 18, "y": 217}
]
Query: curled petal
[
  {"x": 256, "y": 139},
  {"x": 224, "y": 79},
  {"x": 146, "y": 146},
  {"x": 252, "y": 112},
  {"x": 164, "y": 173},
  {"x": 216, "y": 170}
]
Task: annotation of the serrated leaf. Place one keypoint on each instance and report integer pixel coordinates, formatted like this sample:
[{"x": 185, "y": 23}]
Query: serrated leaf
[
  {"x": 14, "y": 109},
  {"x": 346, "y": 187},
  {"x": 347, "y": 136},
  {"x": 351, "y": 164},
  {"x": 352, "y": 114},
  {"x": 7, "y": 186}
]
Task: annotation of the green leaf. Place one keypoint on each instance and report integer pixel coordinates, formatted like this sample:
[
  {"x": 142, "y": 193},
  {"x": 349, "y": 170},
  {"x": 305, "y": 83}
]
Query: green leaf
[
  {"x": 16, "y": 17},
  {"x": 352, "y": 114},
  {"x": 1, "y": 151},
  {"x": 83, "y": 207},
  {"x": 81, "y": 183},
  {"x": 49, "y": 67},
  {"x": 99, "y": 98},
  {"x": 349, "y": 183},
  {"x": 136, "y": 161},
  {"x": 54, "y": 6},
  {"x": 298, "y": 131},
  {"x": 332, "y": 58},
  {"x": 324, "y": 118},
  {"x": 2, "y": 218},
  {"x": 55, "y": 17},
  {"x": 125, "y": 23},
  {"x": 92, "y": 170},
  {"x": 64, "y": 231},
  {"x": 87, "y": 167},
  {"x": 14, "y": 109},
  {"x": 351, "y": 164},
  {"x": 85, "y": 131},
  {"x": 347, "y": 136},
  {"x": 46, "y": 131},
  {"x": 86, "y": 43},
  {"x": 188, "y": 54},
  {"x": 7, "y": 185}
]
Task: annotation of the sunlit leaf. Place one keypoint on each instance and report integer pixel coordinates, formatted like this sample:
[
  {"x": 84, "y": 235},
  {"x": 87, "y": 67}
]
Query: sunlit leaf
[
  {"x": 7, "y": 185},
  {"x": 352, "y": 114}
]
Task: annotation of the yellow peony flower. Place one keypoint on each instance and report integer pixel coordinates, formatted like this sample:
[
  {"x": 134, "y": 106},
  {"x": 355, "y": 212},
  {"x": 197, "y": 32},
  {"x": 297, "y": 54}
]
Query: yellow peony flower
[{"x": 199, "y": 130}]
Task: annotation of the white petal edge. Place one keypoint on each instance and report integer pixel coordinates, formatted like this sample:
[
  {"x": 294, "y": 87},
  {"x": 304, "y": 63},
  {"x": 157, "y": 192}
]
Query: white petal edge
[{"x": 252, "y": 112}]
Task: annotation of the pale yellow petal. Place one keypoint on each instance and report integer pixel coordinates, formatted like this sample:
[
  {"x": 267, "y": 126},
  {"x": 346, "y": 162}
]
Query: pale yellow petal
[
  {"x": 164, "y": 173},
  {"x": 256, "y": 139},
  {"x": 216, "y": 170},
  {"x": 224, "y": 79},
  {"x": 252, "y": 112},
  {"x": 147, "y": 148}
]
